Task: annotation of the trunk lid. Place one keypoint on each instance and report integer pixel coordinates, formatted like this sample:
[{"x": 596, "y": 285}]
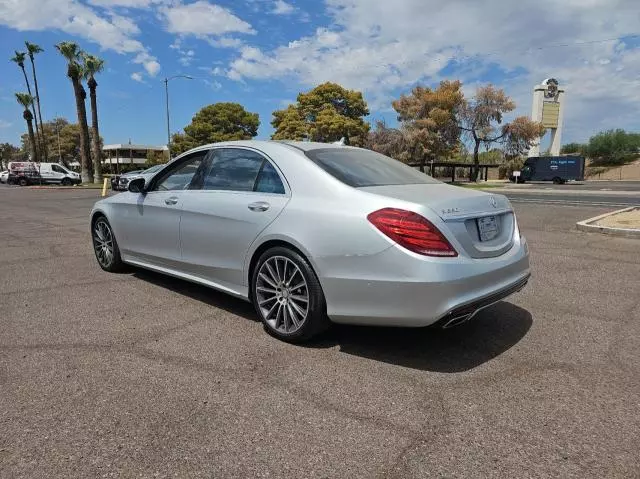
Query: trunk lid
[{"x": 460, "y": 208}]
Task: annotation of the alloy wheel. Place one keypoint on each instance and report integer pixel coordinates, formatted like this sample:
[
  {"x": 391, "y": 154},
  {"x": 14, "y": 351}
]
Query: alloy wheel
[
  {"x": 282, "y": 294},
  {"x": 103, "y": 242}
]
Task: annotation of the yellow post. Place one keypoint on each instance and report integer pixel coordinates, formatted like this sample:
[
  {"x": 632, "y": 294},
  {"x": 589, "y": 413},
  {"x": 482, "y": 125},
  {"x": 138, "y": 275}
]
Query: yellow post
[{"x": 104, "y": 186}]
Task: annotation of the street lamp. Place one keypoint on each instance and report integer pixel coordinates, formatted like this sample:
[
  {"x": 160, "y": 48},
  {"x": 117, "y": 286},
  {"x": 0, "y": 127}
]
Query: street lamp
[{"x": 166, "y": 90}]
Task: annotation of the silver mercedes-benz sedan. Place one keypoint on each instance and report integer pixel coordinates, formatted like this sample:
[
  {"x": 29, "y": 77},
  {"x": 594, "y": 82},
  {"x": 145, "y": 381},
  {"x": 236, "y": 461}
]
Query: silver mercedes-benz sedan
[{"x": 312, "y": 233}]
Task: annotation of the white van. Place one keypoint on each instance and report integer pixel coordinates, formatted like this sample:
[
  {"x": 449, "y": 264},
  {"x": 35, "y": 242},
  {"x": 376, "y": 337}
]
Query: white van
[
  {"x": 56, "y": 173},
  {"x": 26, "y": 172}
]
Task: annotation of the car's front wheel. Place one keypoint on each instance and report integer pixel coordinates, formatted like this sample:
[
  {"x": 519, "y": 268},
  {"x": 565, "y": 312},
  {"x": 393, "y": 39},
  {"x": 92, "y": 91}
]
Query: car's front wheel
[
  {"x": 105, "y": 246},
  {"x": 287, "y": 296}
]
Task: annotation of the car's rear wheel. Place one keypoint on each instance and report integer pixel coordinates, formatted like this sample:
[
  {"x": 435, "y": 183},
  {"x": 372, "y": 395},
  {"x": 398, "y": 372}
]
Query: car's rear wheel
[
  {"x": 287, "y": 296},
  {"x": 23, "y": 182},
  {"x": 105, "y": 246}
]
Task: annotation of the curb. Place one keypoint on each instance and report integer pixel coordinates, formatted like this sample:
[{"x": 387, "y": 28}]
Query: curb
[
  {"x": 69, "y": 188},
  {"x": 587, "y": 225}
]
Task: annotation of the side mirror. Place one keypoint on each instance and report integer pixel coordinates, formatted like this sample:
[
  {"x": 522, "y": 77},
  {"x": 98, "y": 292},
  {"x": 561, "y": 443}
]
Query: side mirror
[{"x": 136, "y": 186}]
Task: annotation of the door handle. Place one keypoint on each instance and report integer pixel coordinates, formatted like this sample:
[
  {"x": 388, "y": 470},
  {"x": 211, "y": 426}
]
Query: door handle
[
  {"x": 171, "y": 201},
  {"x": 259, "y": 206}
]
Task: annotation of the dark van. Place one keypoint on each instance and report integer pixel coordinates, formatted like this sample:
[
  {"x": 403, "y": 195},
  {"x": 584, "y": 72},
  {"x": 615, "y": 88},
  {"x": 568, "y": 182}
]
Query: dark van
[{"x": 558, "y": 169}]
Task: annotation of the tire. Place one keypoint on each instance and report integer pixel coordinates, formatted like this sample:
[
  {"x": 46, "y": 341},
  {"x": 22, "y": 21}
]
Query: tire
[
  {"x": 282, "y": 309},
  {"x": 557, "y": 181},
  {"x": 107, "y": 252},
  {"x": 23, "y": 182},
  {"x": 66, "y": 182}
]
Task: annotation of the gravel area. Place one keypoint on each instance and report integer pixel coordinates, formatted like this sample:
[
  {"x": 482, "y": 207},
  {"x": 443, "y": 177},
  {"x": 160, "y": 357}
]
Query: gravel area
[{"x": 628, "y": 219}]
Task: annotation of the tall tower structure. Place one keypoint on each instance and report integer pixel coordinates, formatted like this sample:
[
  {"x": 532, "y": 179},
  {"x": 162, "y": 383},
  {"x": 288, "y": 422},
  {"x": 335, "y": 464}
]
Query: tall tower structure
[{"x": 548, "y": 108}]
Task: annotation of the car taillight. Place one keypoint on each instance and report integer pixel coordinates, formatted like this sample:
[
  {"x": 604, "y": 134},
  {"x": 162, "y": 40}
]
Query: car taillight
[{"x": 412, "y": 231}]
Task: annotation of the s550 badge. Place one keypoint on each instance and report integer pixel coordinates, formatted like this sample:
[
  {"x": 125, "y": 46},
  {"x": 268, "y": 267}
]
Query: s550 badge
[{"x": 448, "y": 211}]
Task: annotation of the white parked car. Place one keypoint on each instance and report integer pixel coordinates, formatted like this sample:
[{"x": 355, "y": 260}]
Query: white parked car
[
  {"x": 312, "y": 233},
  {"x": 3, "y": 176},
  {"x": 120, "y": 183}
]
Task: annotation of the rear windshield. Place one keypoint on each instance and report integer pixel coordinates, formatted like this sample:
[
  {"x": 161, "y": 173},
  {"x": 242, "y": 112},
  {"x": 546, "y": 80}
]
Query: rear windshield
[{"x": 359, "y": 168}]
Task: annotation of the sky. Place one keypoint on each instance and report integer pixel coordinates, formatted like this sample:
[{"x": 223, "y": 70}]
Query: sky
[{"x": 262, "y": 53}]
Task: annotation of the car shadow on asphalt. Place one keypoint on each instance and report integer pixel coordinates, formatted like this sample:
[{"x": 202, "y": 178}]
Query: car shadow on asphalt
[{"x": 489, "y": 334}]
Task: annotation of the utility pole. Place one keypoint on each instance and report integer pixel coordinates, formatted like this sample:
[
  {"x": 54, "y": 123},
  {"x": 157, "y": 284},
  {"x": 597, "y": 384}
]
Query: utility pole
[
  {"x": 166, "y": 91},
  {"x": 58, "y": 134}
]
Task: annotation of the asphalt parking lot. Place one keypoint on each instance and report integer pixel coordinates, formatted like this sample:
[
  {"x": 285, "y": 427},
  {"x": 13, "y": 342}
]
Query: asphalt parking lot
[{"x": 132, "y": 375}]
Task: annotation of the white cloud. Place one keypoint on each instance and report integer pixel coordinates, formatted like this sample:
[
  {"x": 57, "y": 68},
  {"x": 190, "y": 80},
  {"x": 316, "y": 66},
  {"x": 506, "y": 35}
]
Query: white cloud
[
  {"x": 214, "y": 85},
  {"x": 384, "y": 47},
  {"x": 225, "y": 42},
  {"x": 110, "y": 31},
  {"x": 137, "y": 76},
  {"x": 149, "y": 63},
  {"x": 215, "y": 71},
  {"x": 125, "y": 3},
  {"x": 5, "y": 123},
  {"x": 280, "y": 7},
  {"x": 203, "y": 19}
]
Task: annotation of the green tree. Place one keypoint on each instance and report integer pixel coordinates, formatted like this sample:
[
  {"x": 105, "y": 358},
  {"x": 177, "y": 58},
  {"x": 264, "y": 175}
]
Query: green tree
[
  {"x": 327, "y": 113},
  {"x": 429, "y": 121},
  {"x": 481, "y": 118},
  {"x": 93, "y": 65},
  {"x": 71, "y": 52},
  {"x": 26, "y": 101},
  {"x": 388, "y": 141},
  {"x": 63, "y": 140},
  {"x": 290, "y": 124},
  {"x": 215, "y": 123},
  {"x": 613, "y": 147},
  {"x": 8, "y": 153},
  {"x": 156, "y": 158},
  {"x": 575, "y": 148},
  {"x": 18, "y": 59},
  {"x": 32, "y": 51}
]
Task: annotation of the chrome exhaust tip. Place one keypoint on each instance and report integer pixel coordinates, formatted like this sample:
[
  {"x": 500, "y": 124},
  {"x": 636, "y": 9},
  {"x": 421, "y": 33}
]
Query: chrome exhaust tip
[{"x": 458, "y": 320}]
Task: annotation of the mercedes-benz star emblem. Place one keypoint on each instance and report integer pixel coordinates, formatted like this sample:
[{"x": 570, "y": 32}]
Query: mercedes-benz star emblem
[{"x": 493, "y": 202}]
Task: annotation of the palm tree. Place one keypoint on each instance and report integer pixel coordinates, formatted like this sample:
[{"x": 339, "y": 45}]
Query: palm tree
[
  {"x": 92, "y": 66},
  {"x": 26, "y": 100},
  {"x": 19, "y": 60},
  {"x": 71, "y": 52},
  {"x": 32, "y": 50}
]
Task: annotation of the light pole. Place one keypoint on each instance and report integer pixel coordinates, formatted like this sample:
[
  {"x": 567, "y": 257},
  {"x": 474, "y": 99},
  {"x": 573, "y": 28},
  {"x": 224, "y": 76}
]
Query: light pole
[{"x": 166, "y": 90}]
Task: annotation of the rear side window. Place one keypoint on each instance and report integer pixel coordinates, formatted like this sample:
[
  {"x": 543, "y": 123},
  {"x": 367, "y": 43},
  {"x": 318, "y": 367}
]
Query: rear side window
[
  {"x": 237, "y": 169},
  {"x": 232, "y": 169},
  {"x": 269, "y": 181},
  {"x": 360, "y": 168}
]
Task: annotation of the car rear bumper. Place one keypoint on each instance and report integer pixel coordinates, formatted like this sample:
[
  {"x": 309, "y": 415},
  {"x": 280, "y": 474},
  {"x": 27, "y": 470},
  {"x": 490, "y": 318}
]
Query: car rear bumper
[{"x": 396, "y": 289}]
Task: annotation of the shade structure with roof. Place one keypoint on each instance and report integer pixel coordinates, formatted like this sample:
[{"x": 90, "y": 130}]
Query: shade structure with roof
[{"x": 129, "y": 153}]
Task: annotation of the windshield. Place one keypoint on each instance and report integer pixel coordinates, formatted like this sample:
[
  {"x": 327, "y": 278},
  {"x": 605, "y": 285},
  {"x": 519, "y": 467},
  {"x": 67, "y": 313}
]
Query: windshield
[
  {"x": 359, "y": 168},
  {"x": 153, "y": 169}
]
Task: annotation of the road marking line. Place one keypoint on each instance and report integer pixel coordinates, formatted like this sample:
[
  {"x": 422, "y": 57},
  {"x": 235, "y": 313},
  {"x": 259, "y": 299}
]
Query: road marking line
[{"x": 568, "y": 203}]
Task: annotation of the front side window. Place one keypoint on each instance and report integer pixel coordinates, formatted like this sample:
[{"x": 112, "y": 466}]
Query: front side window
[
  {"x": 58, "y": 169},
  {"x": 360, "y": 168},
  {"x": 179, "y": 178}
]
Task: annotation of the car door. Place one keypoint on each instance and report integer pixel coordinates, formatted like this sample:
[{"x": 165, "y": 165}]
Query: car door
[
  {"x": 238, "y": 194},
  {"x": 46, "y": 173},
  {"x": 149, "y": 222},
  {"x": 57, "y": 173}
]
